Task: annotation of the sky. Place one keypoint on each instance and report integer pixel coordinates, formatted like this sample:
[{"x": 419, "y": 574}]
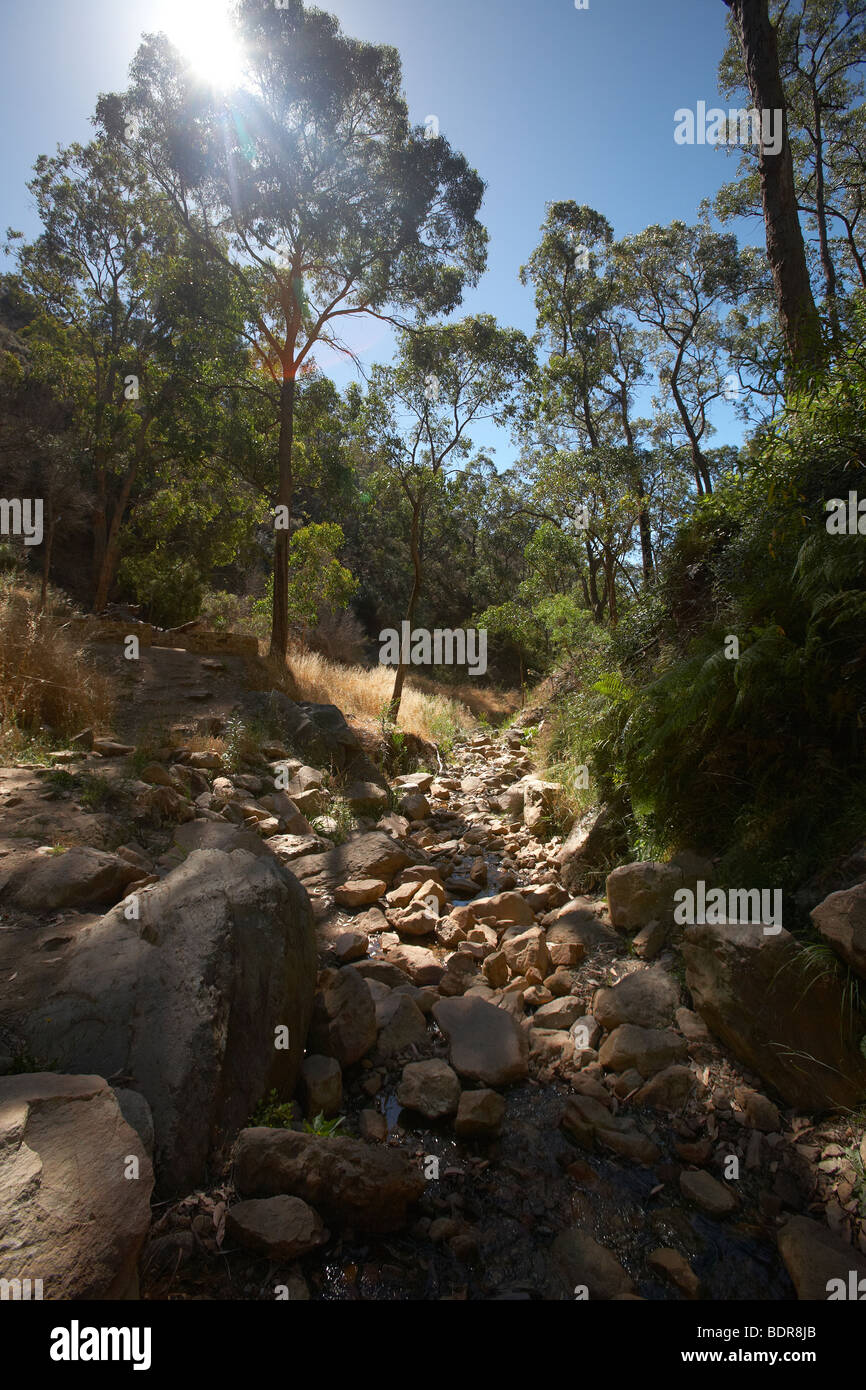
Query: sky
[{"x": 545, "y": 100}]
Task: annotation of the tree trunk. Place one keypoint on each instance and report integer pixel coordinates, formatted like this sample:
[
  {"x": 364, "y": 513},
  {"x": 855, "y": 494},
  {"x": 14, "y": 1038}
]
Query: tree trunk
[
  {"x": 111, "y": 549},
  {"x": 785, "y": 250},
  {"x": 280, "y": 613},
  {"x": 397, "y": 693},
  {"x": 821, "y": 209}
]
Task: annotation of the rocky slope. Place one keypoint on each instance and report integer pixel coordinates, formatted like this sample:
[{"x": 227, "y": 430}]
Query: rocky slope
[{"x": 532, "y": 1103}]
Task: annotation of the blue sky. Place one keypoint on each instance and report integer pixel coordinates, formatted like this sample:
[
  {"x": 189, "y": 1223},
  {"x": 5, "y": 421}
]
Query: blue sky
[{"x": 545, "y": 100}]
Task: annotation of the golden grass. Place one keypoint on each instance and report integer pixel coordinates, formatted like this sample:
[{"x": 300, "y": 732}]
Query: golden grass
[
  {"x": 364, "y": 694},
  {"x": 48, "y": 689}
]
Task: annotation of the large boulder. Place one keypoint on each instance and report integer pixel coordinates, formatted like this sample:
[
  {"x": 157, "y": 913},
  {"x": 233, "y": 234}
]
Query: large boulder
[
  {"x": 486, "y": 1043},
  {"x": 757, "y": 993},
  {"x": 79, "y": 877},
  {"x": 641, "y": 893},
  {"x": 201, "y": 1003},
  {"x": 841, "y": 920},
  {"x": 74, "y": 1207},
  {"x": 350, "y": 1183}
]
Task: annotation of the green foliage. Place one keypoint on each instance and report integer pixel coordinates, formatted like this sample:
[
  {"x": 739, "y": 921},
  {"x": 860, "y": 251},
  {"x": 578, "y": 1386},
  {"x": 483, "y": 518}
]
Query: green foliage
[
  {"x": 273, "y": 1113},
  {"x": 319, "y": 1125}
]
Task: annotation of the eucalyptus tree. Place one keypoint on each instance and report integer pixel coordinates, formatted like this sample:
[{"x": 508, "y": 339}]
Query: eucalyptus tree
[
  {"x": 822, "y": 65},
  {"x": 118, "y": 332},
  {"x": 311, "y": 187},
  {"x": 419, "y": 411}
]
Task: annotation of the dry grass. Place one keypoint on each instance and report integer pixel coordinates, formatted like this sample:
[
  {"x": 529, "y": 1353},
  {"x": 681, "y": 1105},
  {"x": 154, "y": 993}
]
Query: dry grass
[
  {"x": 364, "y": 694},
  {"x": 48, "y": 690}
]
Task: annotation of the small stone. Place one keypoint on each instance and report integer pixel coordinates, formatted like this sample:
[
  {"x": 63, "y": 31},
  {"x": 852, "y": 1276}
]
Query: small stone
[
  {"x": 322, "y": 1085},
  {"x": 430, "y": 1087},
  {"x": 280, "y": 1227},
  {"x": 706, "y": 1192},
  {"x": 479, "y": 1115},
  {"x": 675, "y": 1268},
  {"x": 359, "y": 892}
]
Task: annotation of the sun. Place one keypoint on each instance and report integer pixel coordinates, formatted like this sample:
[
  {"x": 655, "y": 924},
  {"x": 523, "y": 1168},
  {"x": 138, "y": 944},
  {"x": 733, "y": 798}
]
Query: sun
[{"x": 203, "y": 33}]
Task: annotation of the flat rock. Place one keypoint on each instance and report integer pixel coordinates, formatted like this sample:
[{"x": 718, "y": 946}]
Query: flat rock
[{"x": 486, "y": 1044}]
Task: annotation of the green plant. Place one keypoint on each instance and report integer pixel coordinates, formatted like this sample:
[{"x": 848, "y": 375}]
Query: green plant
[
  {"x": 319, "y": 1125},
  {"x": 273, "y": 1113},
  {"x": 341, "y": 812},
  {"x": 24, "y": 1061}
]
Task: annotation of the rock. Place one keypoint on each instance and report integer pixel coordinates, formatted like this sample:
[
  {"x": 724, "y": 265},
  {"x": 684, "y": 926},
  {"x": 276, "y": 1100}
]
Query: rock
[
  {"x": 205, "y": 759},
  {"x": 504, "y": 909},
  {"x": 370, "y": 854},
  {"x": 366, "y": 798},
  {"x": 291, "y": 821},
  {"x": 759, "y": 1110},
  {"x": 479, "y": 1115},
  {"x": 582, "y": 1262},
  {"x": 668, "y": 1089},
  {"x": 350, "y": 945},
  {"x": 594, "y": 841},
  {"x": 402, "y": 895},
  {"x": 80, "y": 877},
  {"x": 580, "y": 926},
  {"x": 430, "y": 1087},
  {"x": 675, "y": 1268},
  {"x": 559, "y": 1013},
  {"x": 485, "y": 1042},
  {"x": 645, "y": 997},
  {"x": 641, "y": 893},
  {"x": 378, "y": 971},
  {"x": 841, "y": 920},
  {"x": 706, "y": 1192},
  {"x": 369, "y": 1189},
  {"x": 414, "y": 806},
  {"x": 321, "y": 1086},
  {"x": 788, "y": 1025},
  {"x": 646, "y": 1049},
  {"x": 420, "y": 964},
  {"x": 527, "y": 950},
  {"x": 650, "y": 940},
  {"x": 110, "y": 748},
  {"x": 692, "y": 1026},
  {"x": 136, "y": 1111},
  {"x": 201, "y": 834},
  {"x": 373, "y": 1126},
  {"x": 186, "y": 1000},
  {"x": 495, "y": 969},
  {"x": 539, "y": 801},
  {"x": 401, "y": 1024},
  {"x": 283, "y": 1228},
  {"x": 69, "y": 1214},
  {"x": 343, "y": 1023},
  {"x": 156, "y": 775},
  {"x": 814, "y": 1257},
  {"x": 359, "y": 892}
]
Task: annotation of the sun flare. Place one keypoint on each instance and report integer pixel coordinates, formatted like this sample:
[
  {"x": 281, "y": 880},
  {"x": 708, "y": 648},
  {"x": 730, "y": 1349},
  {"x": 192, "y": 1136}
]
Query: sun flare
[{"x": 202, "y": 31}]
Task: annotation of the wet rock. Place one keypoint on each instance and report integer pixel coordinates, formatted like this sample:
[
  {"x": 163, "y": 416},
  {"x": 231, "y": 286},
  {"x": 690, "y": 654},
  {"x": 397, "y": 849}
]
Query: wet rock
[
  {"x": 584, "y": 1264},
  {"x": 431, "y": 1088},
  {"x": 485, "y": 1042},
  {"x": 479, "y": 1115},
  {"x": 283, "y": 1228},
  {"x": 706, "y": 1192},
  {"x": 676, "y": 1270},
  {"x": 350, "y": 1183}
]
